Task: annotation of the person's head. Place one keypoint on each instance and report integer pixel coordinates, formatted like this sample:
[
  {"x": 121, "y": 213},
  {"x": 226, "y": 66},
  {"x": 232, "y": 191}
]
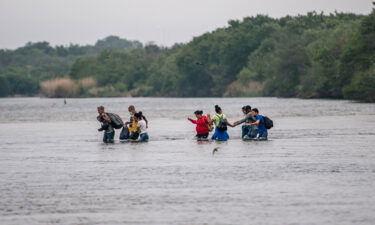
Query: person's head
[
  {"x": 246, "y": 109},
  {"x": 131, "y": 108},
  {"x": 218, "y": 109},
  {"x": 138, "y": 116},
  {"x": 255, "y": 111},
  {"x": 198, "y": 114},
  {"x": 100, "y": 109}
]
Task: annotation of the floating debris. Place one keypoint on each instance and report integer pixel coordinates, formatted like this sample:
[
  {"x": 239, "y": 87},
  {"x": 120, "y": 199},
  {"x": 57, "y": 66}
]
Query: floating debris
[{"x": 215, "y": 150}]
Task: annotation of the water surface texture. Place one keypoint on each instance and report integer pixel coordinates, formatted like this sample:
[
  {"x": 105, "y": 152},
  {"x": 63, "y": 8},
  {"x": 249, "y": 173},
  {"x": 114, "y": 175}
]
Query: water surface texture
[{"x": 317, "y": 168}]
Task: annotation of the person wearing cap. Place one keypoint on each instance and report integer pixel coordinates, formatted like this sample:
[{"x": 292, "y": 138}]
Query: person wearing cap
[{"x": 109, "y": 131}]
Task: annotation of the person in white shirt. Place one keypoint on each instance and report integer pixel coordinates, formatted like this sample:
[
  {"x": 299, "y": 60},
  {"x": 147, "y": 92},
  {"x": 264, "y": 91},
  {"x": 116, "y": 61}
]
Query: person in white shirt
[{"x": 142, "y": 127}]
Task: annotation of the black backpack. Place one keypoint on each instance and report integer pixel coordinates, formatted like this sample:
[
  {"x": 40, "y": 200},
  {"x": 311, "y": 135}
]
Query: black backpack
[
  {"x": 222, "y": 124},
  {"x": 268, "y": 122}
]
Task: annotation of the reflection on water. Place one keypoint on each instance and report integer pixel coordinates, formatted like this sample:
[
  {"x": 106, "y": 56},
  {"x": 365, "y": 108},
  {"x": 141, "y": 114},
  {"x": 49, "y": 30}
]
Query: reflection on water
[{"x": 317, "y": 168}]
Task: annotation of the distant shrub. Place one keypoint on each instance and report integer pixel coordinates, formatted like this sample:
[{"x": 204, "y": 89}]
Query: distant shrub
[
  {"x": 59, "y": 88},
  {"x": 87, "y": 83}
]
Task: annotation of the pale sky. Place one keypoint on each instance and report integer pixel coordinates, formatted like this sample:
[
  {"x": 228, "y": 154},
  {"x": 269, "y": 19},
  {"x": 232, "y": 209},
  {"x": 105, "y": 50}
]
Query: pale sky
[{"x": 164, "y": 22}]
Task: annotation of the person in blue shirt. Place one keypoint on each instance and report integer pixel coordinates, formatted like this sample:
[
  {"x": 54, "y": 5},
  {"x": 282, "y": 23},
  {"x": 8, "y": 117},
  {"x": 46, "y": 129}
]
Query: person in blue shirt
[{"x": 259, "y": 122}]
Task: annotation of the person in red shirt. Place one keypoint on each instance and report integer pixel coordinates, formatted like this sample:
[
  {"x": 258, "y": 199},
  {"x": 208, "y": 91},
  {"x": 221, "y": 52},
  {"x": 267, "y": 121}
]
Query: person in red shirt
[{"x": 203, "y": 127}]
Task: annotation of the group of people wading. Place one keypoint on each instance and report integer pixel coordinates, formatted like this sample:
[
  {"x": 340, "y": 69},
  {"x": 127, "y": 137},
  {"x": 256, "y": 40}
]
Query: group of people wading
[
  {"x": 134, "y": 129},
  {"x": 254, "y": 125}
]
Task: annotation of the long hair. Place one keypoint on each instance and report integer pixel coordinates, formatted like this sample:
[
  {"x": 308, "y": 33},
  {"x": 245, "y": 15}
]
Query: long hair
[{"x": 138, "y": 115}]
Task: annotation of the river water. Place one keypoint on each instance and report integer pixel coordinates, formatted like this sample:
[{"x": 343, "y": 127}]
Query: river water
[{"x": 317, "y": 168}]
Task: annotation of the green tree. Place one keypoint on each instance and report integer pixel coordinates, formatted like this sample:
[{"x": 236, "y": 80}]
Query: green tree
[
  {"x": 362, "y": 87},
  {"x": 4, "y": 87}
]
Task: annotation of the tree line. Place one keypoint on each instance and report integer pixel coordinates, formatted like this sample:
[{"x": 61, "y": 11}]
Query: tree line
[{"x": 307, "y": 56}]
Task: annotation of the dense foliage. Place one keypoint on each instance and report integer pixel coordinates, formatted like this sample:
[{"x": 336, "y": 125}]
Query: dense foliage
[
  {"x": 309, "y": 56},
  {"x": 23, "y": 69}
]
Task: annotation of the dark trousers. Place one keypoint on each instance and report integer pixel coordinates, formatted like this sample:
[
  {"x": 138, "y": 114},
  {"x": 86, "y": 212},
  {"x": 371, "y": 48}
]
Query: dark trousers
[
  {"x": 263, "y": 136},
  {"x": 249, "y": 131},
  {"x": 108, "y": 137},
  {"x": 125, "y": 134},
  {"x": 245, "y": 130},
  {"x": 202, "y": 135},
  {"x": 143, "y": 137}
]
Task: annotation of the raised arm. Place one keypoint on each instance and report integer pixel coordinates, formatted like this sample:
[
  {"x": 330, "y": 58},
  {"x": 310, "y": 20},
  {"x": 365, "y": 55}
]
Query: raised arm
[{"x": 191, "y": 120}]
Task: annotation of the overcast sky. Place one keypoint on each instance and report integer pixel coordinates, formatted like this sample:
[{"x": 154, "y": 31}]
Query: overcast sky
[{"x": 163, "y": 21}]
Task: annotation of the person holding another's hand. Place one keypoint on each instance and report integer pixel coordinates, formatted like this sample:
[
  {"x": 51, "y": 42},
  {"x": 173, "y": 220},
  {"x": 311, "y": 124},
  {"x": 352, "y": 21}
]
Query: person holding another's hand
[
  {"x": 203, "y": 125},
  {"x": 248, "y": 131},
  {"x": 262, "y": 130}
]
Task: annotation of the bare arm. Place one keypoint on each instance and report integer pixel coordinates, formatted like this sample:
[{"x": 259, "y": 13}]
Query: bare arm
[
  {"x": 230, "y": 124},
  {"x": 255, "y": 123},
  {"x": 248, "y": 116},
  {"x": 238, "y": 122},
  {"x": 210, "y": 121},
  {"x": 138, "y": 129}
]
